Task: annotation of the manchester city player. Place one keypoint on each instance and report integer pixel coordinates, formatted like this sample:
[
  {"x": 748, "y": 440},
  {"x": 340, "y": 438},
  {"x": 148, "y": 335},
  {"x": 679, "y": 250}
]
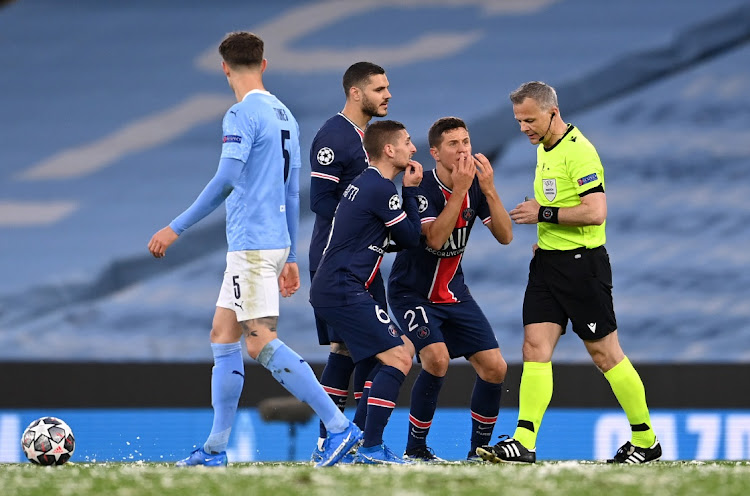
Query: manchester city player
[
  {"x": 336, "y": 158},
  {"x": 427, "y": 293},
  {"x": 369, "y": 215},
  {"x": 258, "y": 176},
  {"x": 570, "y": 278}
]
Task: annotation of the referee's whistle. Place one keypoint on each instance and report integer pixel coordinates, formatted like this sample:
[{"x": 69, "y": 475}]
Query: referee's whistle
[{"x": 525, "y": 198}]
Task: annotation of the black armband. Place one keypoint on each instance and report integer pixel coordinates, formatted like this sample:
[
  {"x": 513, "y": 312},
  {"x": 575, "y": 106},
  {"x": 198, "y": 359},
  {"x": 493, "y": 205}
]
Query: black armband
[{"x": 548, "y": 214}]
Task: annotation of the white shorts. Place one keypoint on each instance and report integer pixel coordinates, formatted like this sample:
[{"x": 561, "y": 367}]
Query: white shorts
[{"x": 250, "y": 285}]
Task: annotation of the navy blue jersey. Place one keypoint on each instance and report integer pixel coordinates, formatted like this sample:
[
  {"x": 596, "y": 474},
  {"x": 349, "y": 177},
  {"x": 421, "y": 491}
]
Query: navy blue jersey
[
  {"x": 367, "y": 217},
  {"x": 336, "y": 158},
  {"x": 436, "y": 275}
]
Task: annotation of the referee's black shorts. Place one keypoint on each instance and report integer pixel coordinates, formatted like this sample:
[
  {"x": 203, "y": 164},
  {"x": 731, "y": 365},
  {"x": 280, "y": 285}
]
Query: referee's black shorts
[{"x": 573, "y": 285}]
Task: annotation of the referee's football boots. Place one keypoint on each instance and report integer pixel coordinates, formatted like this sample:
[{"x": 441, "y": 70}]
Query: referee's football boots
[
  {"x": 508, "y": 450},
  {"x": 629, "y": 453}
]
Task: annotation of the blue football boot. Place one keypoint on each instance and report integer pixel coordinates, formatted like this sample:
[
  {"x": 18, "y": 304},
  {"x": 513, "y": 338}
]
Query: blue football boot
[
  {"x": 338, "y": 445},
  {"x": 200, "y": 457},
  {"x": 380, "y": 455}
]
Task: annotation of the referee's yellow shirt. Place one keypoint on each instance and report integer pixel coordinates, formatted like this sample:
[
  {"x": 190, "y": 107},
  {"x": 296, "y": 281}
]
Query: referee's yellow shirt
[{"x": 569, "y": 168}]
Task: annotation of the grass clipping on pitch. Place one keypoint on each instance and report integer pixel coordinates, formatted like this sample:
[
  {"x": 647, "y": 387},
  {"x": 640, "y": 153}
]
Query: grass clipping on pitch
[{"x": 278, "y": 479}]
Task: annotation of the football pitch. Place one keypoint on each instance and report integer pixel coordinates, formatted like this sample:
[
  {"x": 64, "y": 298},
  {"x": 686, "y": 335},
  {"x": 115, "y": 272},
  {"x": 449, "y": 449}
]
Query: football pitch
[{"x": 278, "y": 479}]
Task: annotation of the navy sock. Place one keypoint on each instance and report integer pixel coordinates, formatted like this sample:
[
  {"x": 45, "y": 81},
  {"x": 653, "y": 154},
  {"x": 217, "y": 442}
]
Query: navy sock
[
  {"x": 364, "y": 372},
  {"x": 227, "y": 378},
  {"x": 485, "y": 405},
  {"x": 424, "y": 395},
  {"x": 335, "y": 381},
  {"x": 381, "y": 402}
]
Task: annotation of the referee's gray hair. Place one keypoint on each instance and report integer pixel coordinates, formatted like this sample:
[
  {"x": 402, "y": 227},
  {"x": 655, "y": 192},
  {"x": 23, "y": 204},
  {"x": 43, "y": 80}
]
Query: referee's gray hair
[{"x": 544, "y": 94}]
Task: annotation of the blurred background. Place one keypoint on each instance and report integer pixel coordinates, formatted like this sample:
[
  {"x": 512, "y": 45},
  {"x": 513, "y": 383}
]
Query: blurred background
[{"x": 110, "y": 118}]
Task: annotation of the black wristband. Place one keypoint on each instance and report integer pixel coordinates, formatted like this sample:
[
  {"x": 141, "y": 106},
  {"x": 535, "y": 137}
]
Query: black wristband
[{"x": 548, "y": 214}]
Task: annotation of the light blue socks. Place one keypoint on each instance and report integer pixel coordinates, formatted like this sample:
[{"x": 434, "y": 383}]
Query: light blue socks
[{"x": 227, "y": 378}]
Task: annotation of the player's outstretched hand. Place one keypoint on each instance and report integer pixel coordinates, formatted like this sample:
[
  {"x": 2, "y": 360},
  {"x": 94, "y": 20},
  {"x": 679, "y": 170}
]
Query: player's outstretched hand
[
  {"x": 289, "y": 279},
  {"x": 413, "y": 174},
  {"x": 526, "y": 212},
  {"x": 485, "y": 173},
  {"x": 161, "y": 241}
]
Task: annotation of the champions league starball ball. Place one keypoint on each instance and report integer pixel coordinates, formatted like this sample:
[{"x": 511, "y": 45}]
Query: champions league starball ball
[{"x": 48, "y": 441}]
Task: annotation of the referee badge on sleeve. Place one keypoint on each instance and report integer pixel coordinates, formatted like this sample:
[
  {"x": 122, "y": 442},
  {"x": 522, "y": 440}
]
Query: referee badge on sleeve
[{"x": 550, "y": 188}]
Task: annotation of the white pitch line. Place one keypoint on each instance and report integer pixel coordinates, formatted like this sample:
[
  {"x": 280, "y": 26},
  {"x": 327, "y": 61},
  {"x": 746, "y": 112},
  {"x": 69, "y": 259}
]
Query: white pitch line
[{"x": 138, "y": 136}]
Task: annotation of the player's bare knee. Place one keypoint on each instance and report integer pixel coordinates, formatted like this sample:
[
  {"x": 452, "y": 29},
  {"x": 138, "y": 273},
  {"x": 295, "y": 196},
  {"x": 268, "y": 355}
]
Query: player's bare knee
[
  {"x": 496, "y": 372},
  {"x": 435, "y": 361},
  {"x": 400, "y": 358}
]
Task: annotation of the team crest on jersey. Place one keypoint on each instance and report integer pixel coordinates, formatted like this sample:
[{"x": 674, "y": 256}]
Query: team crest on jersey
[
  {"x": 550, "y": 188},
  {"x": 394, "y": 203},
  {"x": 393, "y": 331},
  {"x": 422, "y": 201},
  {"x": 423, "y": 332},
  {"x": 468, "y": 214},
  {"x": 325, "y": 156}
]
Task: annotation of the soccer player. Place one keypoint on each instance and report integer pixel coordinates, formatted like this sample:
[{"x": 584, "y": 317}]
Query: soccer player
[
  {"x": 369, "y": 215},
  {"x": 570, "y": 278},
  {"x": 428, "y": 295},
  {"x": 258, "y": 176},
  {"x": 336, "y": 158}
]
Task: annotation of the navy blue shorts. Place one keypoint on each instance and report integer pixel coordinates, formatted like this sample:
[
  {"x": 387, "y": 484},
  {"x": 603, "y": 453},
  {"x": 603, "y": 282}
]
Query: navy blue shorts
[
  {"x": 461, "y": 326},
  {"x": 326, "y": 333},
  {"x": 365, "y": 328}
]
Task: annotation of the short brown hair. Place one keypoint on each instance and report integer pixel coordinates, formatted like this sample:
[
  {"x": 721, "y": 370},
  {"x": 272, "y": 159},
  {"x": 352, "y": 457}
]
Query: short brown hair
[
  {"x": 380, "y": 133},
  {"x": 242, "y": 48},
  {"x": 440, "y": 126}
]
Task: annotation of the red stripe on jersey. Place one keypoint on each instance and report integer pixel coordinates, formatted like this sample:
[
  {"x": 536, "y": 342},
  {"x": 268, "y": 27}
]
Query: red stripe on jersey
[
  {"x": 325, "y": 176},
  {"x": 484, "y": 420},
  {"x": 380, "y": 402},
  {"x": 374, "y": 272},
  {"x": 446, "y": 267},
  {"x": 357, "y": 396},
  {"x": 368, "y": 384},
  {"x": 419, "y": 424},
  {"x": 335, "y": 392}
]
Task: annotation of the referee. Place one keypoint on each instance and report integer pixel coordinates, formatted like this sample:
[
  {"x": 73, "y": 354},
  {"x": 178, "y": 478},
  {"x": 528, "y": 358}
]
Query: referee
[{"x": 570, "y": 278}]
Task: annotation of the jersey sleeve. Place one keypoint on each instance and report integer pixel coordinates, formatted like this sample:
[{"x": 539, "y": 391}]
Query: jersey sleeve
[
  {"x": 426, "y": 206},
  {"x": 585, "y": 169},
  {"x": 238, "y": 133},
  {"x": 483, "y": 208},
  {"x": 403, "y": 222},
  {"x": 328, "y": 157}
]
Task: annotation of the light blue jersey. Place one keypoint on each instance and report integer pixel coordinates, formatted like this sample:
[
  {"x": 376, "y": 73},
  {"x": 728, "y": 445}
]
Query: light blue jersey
[
  {"x": 258, "y": 176},
  {"x": 261, "y": 132}
]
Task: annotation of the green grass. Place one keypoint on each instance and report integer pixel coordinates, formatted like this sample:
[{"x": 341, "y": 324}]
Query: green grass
[{"x": 278, "y": 479}]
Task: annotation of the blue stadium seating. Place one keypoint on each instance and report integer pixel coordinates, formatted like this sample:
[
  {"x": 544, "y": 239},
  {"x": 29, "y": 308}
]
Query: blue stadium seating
[{"x": 111, "y": 125}]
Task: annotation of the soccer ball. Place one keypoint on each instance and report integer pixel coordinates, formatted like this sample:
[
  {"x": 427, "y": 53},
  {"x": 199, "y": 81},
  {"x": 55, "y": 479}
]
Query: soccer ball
[{"x": 48, "y": 441}]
